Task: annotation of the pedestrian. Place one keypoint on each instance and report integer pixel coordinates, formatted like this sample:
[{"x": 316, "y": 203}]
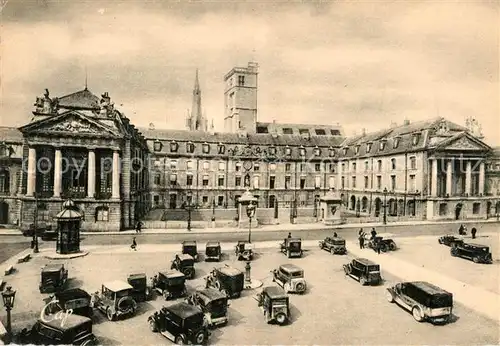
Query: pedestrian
[
  {"x": 138, "y": 227},
  {"x": 134, "y": 244},
  {"x": 377, "y": 245},
  {"x": 361, "y": 241},
  {"x": 335, "y": 234},
  {"x": 462, "y": 230},
  {"x": 373, "y": 233},
  {"x": 289, "y": 235},
  {"x": 473, "y": 232}
]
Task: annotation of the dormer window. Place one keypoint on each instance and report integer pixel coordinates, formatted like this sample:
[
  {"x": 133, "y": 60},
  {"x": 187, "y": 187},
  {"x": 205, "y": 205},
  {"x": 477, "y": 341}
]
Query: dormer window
[
  {"x": 369, "y": 147},
  {"x": 206, "y": 148},
  {"x": 317, "y": 151},
  {"x": 395, "y": 143},
  {"x": 174, "y": 146},
  {"x": 331, "y": 151},
  {"x": 344, "y": 151},
  {"x": 221, "y": 148},
  {"x": 272, "y": 151},
  {"x": 415, "y": 138},
  {"x": 288, "y": 151},
  {"x": 382, "y": 144},
  {"x": 356, "y": 149},
  {"x": 157, "y": 146},
  {"x": 190, "y": 147},
  {"x": 302, "y": 151},
  {"x": 443, "y": 127}
]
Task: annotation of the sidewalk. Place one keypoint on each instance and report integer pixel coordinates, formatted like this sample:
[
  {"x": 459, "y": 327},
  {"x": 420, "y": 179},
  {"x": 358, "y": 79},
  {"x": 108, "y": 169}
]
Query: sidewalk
[{"x": 287, "y": 227}]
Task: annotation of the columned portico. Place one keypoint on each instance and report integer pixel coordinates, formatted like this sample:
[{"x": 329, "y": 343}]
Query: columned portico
[
  {"x": 31, "y": 183},
  {"x": 115, "y": 192},
  {"x": 57, "y": 173},
  {"x": 481, "y": 178},
  {"x": 434, "y": 177},
  {"x": 449, "y": 170},
  {"x": 468, "y": 177},
  {"x": 91, "y": 174}
]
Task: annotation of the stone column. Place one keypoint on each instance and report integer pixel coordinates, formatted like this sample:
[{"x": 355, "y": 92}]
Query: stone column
[
  {"x": 468, "y": 178},
  {"x": 448, "y": 177},
  {"x": 339, "y": 175},
  {"x": 91, "y": 174},
  {"x": 481, "y": 178},
  {"x": 57, "y": 172},
  {"x": 31, "y": 183},
  {"x": 434, "y": 177},
  {"x": 115, "y": 192}
]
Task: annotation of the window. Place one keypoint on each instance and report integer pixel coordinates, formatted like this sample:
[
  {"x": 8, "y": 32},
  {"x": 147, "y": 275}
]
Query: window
[
  {"x": 206, "y": 148},
  {"x": 157, "y": 179},
  {"x": 415, "y": 138},
  {"x": 344, "y": 151},
  {"x": 221, "y": 148},
  {"x": 256, "y": 184},
  {"x": 412, "y": 183},
  {"x": 237, "y": 181},
  {"x": 220, "y": 201},
  {"x": 189, "y": 180},
  {"x": 304, "y": 131},
  {"x": 288, "y": 167},
  {"x": 190, "y": 147},
  {"x": 220, "y": 180},
  {"x": 353, "y": 182},
  {"x": 476, "y": 208},
  {"x": 317, "y": 151},
  {"x": 241, "y": 80},
  {"x": 366, "y": 165},
  {"x": 356, "y": 149},
  {"x": 302, "y": 167},
  {"x": 157, "y": 146},
  {"x": 262, "y": 129},
  {"x": 395, "y": 142},
  {"x": 369, "y": 147},
  {"x": 413, "y": 162},
  {"x": 331, "y": 151},
  {"x": 335, "y": 132},
  {"x": 222, "y": 166},
  {"x": 204, "y": 199},
  {"x": 354, "y": 167},
  {"x": 102, "y": 214},
  {"x": 382, "y": 144},
  {"x": 43, "y": 212},
  {"x": 379, "y": 165},
  {"x": 237, "y": 167},
  {"x": 317, "y": 182},
  {"x": 272, "y": 181},
  {"x": 256, "y": 167},
  {"x": 331, "y": 167},
  {"x": 173, "y": 164},
  {"x": 288, "y": 182},
  {"x": 317, "y": 167},
  {"x": 206, "y": 165},
  {"x": 288, "y": 151},
  {"x": 393, "y": 164},
  {"x": 272, "y": 150},
  {"x": 302, "y": 182},
  {"x": 189, "y": 165},
  {"x": 331, "y": 182},
  {"x": 205, "y": 180},
  {"x": 173, "y": 179},
  {"x": 379, "y": 182},
  {"x": 4, "y": 181},
  {"x": 393, "y": 182},
  {"x": 272, "y": 166},
  {"x": 287, "y": 131},
  {"x": 174, "y": 147},
  {"x": 366, "y": 182},
  {"x": 320, "y": 132},
  {"x": 443, "y": 209},
  {"x": 302, "y": 151},
  {"x": 342, "y": 183}
]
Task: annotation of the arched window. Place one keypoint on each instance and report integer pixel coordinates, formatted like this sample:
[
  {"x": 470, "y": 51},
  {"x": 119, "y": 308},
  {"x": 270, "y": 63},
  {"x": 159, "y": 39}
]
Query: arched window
[{"x": 4, "y": 180}]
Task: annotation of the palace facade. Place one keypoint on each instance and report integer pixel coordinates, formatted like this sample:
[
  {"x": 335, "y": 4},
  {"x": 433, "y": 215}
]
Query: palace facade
[{"x": 79, "y": 146}]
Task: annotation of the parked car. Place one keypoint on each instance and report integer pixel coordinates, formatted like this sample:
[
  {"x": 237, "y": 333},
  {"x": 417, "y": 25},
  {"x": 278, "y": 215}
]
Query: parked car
[
  {"x": 40, "y": 230},
  {"x": 75, "y": 300},
  {"x": 475, "y": 252},
  {"x": 424, "y": 300},
  {"x": 185, "y": 264},
  {"x": 53, "y": 278},
  {"x": 335, "y": 245},
  {"x": 385, "y": 244},
  {"x": 291, "y": 247},
  {"x": 213, "y": 303},
  {"x": 290, "y": 277},
  {"x": 140, "y": 290},
  {"x": 244, "y": 250},
  {"x": 450, "y": 240},
  {"x": 76, "y": 330},
  {"x": 363, "y": 270},
  {"x": 189, "y": 247},
  {"x": 213, "y": 251},
  {"x": 49, "y": 234},
  {"x": 171, "y": 284},
  {"x": 181, "y": 323},
  {"x": 115, "y": 300},
  {"x": 228, "y": 280},
  {"x": 274, "y": 303}
]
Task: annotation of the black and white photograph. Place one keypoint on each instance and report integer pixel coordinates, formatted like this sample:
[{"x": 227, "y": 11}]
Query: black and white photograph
[{"x": 249, "y": 172}]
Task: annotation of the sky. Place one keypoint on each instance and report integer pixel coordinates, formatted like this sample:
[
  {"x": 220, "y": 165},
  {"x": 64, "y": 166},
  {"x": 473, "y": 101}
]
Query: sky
[{"x": 363, "y": 64}]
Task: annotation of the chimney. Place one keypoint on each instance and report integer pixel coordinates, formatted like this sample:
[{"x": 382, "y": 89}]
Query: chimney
[
  {"x": 406, "y": 122},
  {"x": 363, "y": 132}
]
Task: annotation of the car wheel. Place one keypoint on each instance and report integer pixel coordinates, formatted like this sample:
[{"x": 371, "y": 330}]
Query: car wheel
[
  {"x": 362, "y": 281},
  {"x": 180, "y": 340},
  {"x": 321, "y": 246},
  {"x": 417, "y": 315},
  {"x": 201, "y": 337},
  {"x": 152, "y": 326},
  {"x": 383, "y": 248},
  {"x": 300, "y": 287},
  {"x": 166, "y": 295},
  {"x": 392, "y": 246},
  {"x": 332, "y": 251},
  {"x": 440, "y": 241},
  {"x": 389, "y": 297},
  {"x": 189, "y": 273},
  {"x": 476, "y": 259},
  {"x": 281, "y": 318},
  {"x": 453, "y": 252},
  {"x": 110, "y": 315}
]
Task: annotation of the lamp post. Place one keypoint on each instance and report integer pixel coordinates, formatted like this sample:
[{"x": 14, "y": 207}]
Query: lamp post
[
  {"x": 385, "y": 205},
  {"x": 8, "y": 297},
  {"x": 35, "y": 226},
  {"x": 189, "y": 208},
  {"x": 248, "y": 200}
]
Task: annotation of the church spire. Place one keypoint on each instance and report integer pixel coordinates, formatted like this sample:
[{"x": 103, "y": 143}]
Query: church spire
[{"x": 197, "y": 118}]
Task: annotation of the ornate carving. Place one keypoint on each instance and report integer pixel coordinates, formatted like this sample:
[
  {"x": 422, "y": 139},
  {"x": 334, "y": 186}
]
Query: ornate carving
[
  {"x": 45, "y": 104},
  {"x": 6, "y": 150},
  {"x": 74, "y": 126},
  {"x": 463, "y": 143},
  {"x": 107, "y": 107}
]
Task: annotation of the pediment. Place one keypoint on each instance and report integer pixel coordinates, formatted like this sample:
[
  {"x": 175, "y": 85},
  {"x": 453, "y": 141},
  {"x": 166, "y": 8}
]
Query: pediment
[
  {"x": 71, "y": 123},
  {"x": 465, "y": 143}
]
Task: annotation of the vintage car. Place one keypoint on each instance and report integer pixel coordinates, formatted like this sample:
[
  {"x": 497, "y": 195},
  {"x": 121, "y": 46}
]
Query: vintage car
[
  {"x": 213, "y": 251},
  {"x": 185, "y": 264},
  {"x": 244, "y": 250},
  {"x": 291, "y": 247},
  {"x": 228, "y": 280},
  {"x": 424, "y": 300},
  {"x": 140, "y": 289},
  {"x": 363, "y": 270},
  {"x": 274, "y": 303},
  {"x": 189, "y": 247},
  {"x": 335, "y": 245},
  {"x": 76, "y": 330},
  {"x": 75, "y": 300},
  {"x": 115, "y": 300},
  {"x": 450, "y": 240},
  {"x": 181, "y": 323},
  {"x": 49, "y": 234},
  {"x": 290, "y": 277},
  {"x": 385, "y": 244},
  {"x": 171, "y": 284},
  {"x": 53, "y": 278},
  {"x": 213, "y": 303},
  {"x": 475, "y": 252}
]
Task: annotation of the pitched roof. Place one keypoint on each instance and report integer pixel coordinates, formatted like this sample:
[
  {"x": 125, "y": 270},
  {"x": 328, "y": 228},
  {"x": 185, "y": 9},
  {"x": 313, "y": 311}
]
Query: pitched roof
[
  {"x": 80, "y": 99},
  {"x": 10, "y": 134}
]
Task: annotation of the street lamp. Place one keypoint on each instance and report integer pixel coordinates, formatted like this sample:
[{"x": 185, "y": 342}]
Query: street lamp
[
  {"x": 248, "y": 200},
  {"x": 8, "y": 297},
  {"x": 385, "y": 205},
  {"x": 189, "y": 208},
  {"x": 35, "y": 226}
]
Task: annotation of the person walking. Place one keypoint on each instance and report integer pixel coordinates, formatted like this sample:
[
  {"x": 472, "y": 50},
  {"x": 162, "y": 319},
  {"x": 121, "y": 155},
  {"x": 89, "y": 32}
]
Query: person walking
[
  {"x": 134, "y": 244},
  {"x": 138, "y": 227},
  {"x": 373, "y": 233},
  {"x": 362, "y": 241},
  {"x": 378, "y": 246},
  {"x": 462, "y": 230},
  {"x": 473, "y": 232},
  {"x": 335, "y": 234},
  {"x": 289, "y": 235}
]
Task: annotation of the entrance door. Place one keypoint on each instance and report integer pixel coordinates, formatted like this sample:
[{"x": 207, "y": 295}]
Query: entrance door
[
  {"x": 4, "y": 213},
  {"x": 272, "y": 200},
  {"x": 377, "y": 207},
  {"x": 173, "y": 201},
  {"x": 488, "y": 209},
  {"x": 458, "y": 211}
]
